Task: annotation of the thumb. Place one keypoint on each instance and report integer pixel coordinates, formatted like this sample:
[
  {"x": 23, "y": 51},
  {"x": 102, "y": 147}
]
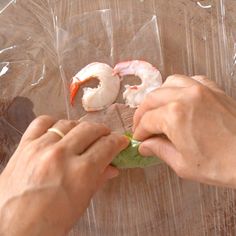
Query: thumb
[{"x": 162, "y": 148}]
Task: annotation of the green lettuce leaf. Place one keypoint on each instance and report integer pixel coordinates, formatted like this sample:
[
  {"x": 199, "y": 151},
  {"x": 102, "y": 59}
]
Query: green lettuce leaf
[{"x": 131, "y": 158}]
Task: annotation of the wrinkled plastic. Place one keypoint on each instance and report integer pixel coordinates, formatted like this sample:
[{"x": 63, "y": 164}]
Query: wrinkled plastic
[
  {"x": 44, "y": 43},
  {"x": 131, "y": 158}
]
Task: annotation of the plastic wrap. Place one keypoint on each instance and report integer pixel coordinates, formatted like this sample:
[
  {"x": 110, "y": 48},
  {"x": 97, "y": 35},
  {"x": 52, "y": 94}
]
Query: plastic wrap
[{"x": 44, "y": 43}]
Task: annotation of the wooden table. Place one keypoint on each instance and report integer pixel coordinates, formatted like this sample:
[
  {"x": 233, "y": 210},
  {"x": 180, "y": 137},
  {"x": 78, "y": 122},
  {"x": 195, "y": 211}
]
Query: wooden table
[{"x": 50, "y": 40}]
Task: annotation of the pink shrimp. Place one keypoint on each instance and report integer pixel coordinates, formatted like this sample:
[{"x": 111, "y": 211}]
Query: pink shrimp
[
  {"x": 151, "y": 79},
  {"x": 104, "y": 95}
]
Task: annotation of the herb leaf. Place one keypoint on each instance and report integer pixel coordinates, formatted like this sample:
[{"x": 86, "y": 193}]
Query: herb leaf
[{"x": 131, "y": 158}]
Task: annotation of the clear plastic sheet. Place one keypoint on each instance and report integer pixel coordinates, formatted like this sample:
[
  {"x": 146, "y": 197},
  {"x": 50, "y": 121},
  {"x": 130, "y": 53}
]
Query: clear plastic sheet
[{"x": 44, "y": 43}]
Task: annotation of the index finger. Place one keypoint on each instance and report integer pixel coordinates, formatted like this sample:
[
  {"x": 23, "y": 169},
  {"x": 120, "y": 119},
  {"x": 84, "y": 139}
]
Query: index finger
[
  {"x": 82, "y": 136},
  {"x": 103, "y": 151},
  {"x": 182, "y": 81},
  {"x": 208, "y": 83},
  {"x": 163, "y": 95},
  {"x": 185, "y": 81},
  {"x": 153, "y": 122},
  {"x": 154, "y": 100}
]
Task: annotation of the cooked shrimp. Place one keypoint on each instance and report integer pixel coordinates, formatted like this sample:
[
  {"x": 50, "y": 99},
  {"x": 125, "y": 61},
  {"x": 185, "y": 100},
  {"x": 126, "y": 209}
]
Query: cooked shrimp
[
  {"x": 104, "y": 95},
  {"x": 149, "y": 75}
]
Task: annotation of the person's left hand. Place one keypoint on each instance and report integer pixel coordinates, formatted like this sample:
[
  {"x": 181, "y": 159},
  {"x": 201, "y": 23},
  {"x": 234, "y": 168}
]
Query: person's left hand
[{"x": 49, "y": 181}]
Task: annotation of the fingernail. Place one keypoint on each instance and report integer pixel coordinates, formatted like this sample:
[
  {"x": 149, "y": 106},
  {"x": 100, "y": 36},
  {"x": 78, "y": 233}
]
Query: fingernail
[
  {"x": 113, "y": 173},
  {"x": 126, "y": 141}
]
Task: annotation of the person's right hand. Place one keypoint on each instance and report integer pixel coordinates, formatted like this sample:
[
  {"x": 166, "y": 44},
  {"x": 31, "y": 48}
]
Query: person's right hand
[{"x": 199, "y": 121}]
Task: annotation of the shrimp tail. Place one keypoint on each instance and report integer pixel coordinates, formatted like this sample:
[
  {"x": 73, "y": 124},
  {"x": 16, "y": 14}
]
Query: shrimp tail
[{"x": 74, "y": 87}]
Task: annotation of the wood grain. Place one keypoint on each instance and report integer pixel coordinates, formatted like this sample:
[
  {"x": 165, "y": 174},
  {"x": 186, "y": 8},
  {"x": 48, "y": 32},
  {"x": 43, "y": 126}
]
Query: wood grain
[{"x": 43, "y": 43}]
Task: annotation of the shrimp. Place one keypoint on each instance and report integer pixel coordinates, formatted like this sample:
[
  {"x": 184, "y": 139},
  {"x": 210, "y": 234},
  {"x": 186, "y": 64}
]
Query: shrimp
[
  {"x": 151, "y": 79},
  {"x": 104, "y": 95}
]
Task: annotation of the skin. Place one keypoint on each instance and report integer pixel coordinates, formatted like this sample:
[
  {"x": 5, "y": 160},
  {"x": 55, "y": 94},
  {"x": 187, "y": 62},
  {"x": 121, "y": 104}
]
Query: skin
[
  {"x": 198, "y": 121},
  {"x": 49, "y": 181},
  {"x": 189, "y": 122}
]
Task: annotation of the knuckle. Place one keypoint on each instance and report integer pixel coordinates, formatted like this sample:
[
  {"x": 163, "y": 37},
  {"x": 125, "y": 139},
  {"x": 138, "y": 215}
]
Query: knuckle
[
  {"x": 70, "y": 123},
  {"x": 148, "y": 124},
  {"x": 177, "y": 112},
  {"x": 87, "y": 125},
  {"x": 106, "y": 128},
  {"x": 147, "y": 102},
  {"x": 180, "y": 170},
  {"x": 43, "y": 119},
  {"x": 32, "y": 149},
  {"x": 111, "y": 142},
  {"x": 203, "y": 77},
  {"x": 116, "y": 139},
  {"x": 100, "y": 127},
  {"x": 84, "y": 165},
  {"x": 96, "y": 127},
  {"x": 197, "y": 91},
  {"x": 55, "y": 153},
  {"x": 47, "y": 160},
  {"x": 50, "y": 159},
  {"x": 144, "y": 121},
  {"x": 122, "y": 142},
  {"x": 149, "y": 97},
  {"x": 170, "y": 78},
  {"x": 176, "y": 108},
  {"x": 200, "y": 78},
  {"x": 173, "y": 77}
]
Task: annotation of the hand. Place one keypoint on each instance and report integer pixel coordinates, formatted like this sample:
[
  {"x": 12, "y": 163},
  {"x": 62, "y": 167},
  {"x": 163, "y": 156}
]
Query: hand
[
  {"x": 199, "y": 122},
  {"x": 49, "y": 181}
]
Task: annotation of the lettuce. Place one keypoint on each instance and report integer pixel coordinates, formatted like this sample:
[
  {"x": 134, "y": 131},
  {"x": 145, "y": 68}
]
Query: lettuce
[{"x": 131, "y": 158}]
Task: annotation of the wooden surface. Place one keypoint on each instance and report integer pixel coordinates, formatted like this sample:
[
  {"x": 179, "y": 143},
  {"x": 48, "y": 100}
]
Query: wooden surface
[{"x": 44, "y": 43}]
